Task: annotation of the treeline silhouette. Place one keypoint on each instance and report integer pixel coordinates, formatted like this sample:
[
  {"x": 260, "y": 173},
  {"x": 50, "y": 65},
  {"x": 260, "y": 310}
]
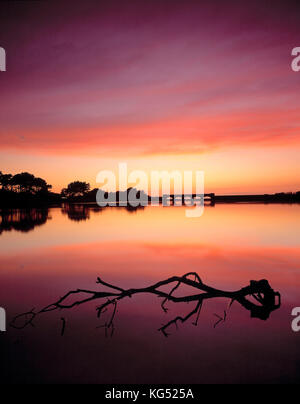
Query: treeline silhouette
[
  {"x": 23, "y": 182},
  {"x": 26, "y": 190},
  {"x": 79, "y": 191}
]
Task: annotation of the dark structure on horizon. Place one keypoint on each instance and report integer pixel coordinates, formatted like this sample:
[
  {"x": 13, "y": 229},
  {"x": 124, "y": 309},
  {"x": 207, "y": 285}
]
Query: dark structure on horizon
[
  {"x": 26, "y": 190},
  {"x": 282, "y": 197}
]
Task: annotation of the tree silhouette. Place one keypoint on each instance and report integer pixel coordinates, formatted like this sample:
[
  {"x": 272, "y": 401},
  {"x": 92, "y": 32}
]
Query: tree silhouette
[
  {"x": 40, "y": 185},
  {"x": 5, "y": 181},
  {"x": 76, "y": 189},
  {"x": 22, "y": 182}
]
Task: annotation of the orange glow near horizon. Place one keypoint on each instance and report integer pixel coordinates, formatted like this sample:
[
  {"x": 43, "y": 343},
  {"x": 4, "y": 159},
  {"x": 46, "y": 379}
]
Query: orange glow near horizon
[{"x": 231, "y": 170}]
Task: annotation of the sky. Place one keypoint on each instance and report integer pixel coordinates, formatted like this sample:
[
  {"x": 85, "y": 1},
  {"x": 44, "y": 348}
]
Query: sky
[{"x": 165, "y": 85}]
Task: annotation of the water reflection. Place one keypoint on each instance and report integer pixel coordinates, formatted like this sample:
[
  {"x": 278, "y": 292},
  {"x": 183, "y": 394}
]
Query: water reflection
[
  {"x": 228, "y": 246},
  {"x": 77, "y": 213},
  {"x": 80, "y": 212},
  {"x": 23, "y": 220}
]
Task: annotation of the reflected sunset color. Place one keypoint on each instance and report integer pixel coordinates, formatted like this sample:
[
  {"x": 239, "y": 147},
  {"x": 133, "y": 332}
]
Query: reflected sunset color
[{"x": 228, "y": 246}]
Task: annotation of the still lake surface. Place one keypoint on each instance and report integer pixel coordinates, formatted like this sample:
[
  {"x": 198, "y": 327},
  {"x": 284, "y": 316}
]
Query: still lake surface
[{"x": 45, "y": 253}]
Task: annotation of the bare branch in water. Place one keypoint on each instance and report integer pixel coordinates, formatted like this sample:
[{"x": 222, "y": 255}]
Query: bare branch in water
[{"x": 261, "y": 291}]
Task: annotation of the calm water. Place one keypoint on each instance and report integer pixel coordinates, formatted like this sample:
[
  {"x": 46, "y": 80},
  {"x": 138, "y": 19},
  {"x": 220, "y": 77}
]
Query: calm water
[{"x": 45, "y": 253}]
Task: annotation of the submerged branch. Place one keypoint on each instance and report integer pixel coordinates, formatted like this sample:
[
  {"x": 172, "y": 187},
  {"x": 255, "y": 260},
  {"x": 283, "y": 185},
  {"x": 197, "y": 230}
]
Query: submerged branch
[{"x": 265, "y": 300}]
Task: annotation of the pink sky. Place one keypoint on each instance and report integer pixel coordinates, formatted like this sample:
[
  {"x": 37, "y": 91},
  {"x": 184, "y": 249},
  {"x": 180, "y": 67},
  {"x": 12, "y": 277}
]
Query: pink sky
[{"x": 202, "y": 86}]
